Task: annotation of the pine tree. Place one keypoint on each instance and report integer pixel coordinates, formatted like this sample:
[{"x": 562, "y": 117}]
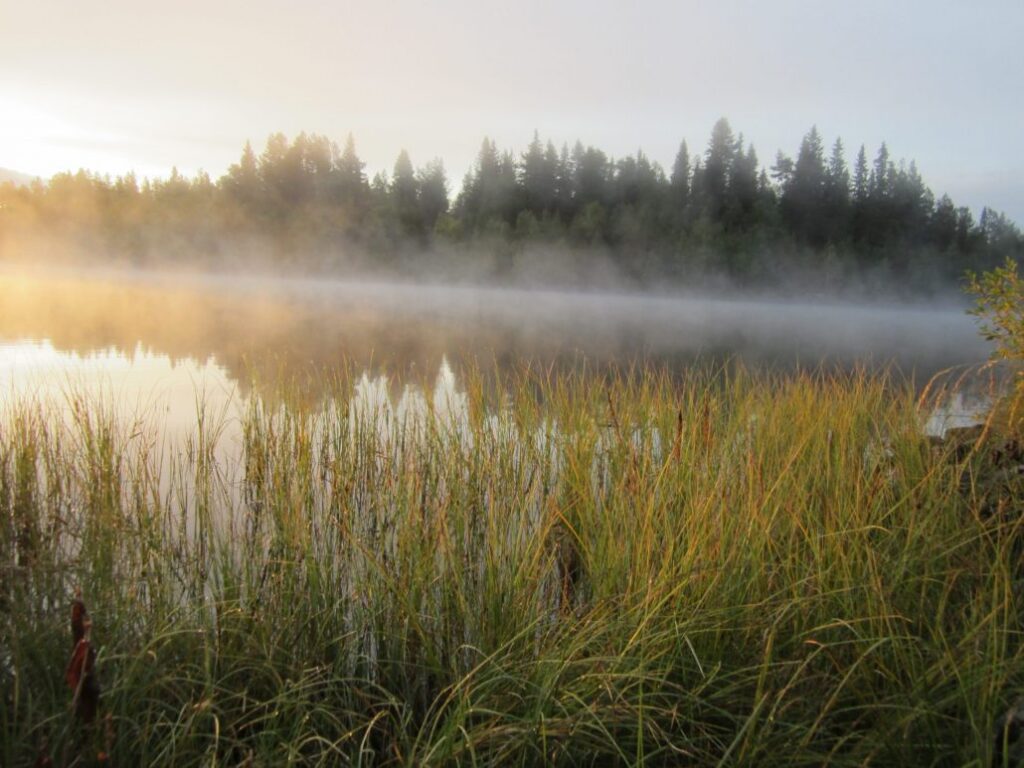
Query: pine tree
[
  {"x": 537, "y": 176},
  {"x": 242, "y": 180},
  {"x": 404, "y": 193},
  {"x": 912, "y": 205},
  {"x": 718, "y": 160},
  {"x": 433, "y": 200},
  {"x": 837, "y": 195},
  {"x": 508, "y": 198},
  {"x": 565, "y": 191},
  {"x": 803, "y": 199},
  {"x": 861, "y": 178},
  {"x": 742, "y": 192},
  {"x": 592, "y": 171},
  {"x": 680, "y": 181},
  {"x": 352, "y": 184},
  {"x": 942, "y": 227},
  {"x": 552, "y": 177},
  {"x": 271, "y": 164},
  {"x": 880, "y": 183},
  {"x": 782, "y": 170},
  {"x": 837, "y": 175}
]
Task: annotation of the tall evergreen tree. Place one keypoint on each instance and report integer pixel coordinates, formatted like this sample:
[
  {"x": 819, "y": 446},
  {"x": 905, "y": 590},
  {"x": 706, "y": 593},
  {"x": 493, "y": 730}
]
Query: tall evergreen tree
[
  {"x": 742, "y": 197},
  {"x": 880, "y": 183},
  {"x": 553, "y": 175},
  {"x": 352, "y": 184},
  {"x": 242, "y": 180},
  {"x": 680, "y": 180},
  {"x": 433, "y": 200},
  {"x": 837, "y": 195},
  {"x": 538, "y": 177},
  {"x": 272, "y": 161},
  {"x": 861, "y": 177},
  {"x": 404, "y": 192},
  {"x": 943, "y": 224},
  {"x": 837, "y": 175},
  {"x": 803, "y": 198},
  {"x": 718, "y": 160},
  {"x": 481, "y": 178},
  {"x": 592, "y": 171},
  {"x": 782, "y": 170}
]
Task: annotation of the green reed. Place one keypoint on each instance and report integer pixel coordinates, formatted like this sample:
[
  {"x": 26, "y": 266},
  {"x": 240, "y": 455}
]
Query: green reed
[{"x": 738, "y": 568}]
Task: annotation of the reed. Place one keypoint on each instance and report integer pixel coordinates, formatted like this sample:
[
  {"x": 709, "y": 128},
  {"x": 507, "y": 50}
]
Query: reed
[{"x": 723, "y": 567}]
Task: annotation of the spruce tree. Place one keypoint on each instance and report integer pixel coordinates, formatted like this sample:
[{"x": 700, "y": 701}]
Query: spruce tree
[
  {"x": 352, "y": 184},
  {"x": 718, "y": 160},
  {"x": 680, "y": 180},
  {"x": 433, "y": 187},
  {"x": 404, "y": 193}
]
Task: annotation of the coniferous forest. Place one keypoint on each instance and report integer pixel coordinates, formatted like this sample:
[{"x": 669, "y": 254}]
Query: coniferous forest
[{"x": 548, "y": 214}]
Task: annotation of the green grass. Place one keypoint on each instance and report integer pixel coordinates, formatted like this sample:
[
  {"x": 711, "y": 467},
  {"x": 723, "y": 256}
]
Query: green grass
[{"x": 740, "y": 569}]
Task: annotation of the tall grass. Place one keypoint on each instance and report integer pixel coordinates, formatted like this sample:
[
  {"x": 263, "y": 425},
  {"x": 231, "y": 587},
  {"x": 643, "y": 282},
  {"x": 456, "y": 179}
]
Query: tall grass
[{"x": 743, "y": 569}]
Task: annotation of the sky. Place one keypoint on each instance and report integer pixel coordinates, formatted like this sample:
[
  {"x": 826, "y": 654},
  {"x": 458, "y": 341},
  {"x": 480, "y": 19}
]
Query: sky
[{"x": 118, "y": 85}]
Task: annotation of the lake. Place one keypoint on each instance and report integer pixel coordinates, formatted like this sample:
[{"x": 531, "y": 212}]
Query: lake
[{"x": 141, "y": 330}]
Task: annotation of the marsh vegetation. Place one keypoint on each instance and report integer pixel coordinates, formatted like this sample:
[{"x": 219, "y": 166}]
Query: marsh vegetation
[{"x": 746, "y": 567}]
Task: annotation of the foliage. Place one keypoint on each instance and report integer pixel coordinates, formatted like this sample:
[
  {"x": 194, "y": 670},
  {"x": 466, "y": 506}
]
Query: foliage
[{"x": 999, "y": 301}]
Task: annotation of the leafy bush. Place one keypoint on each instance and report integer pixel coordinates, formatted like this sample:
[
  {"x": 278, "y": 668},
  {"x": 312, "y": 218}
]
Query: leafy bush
[{"x": 999, "y": 301}]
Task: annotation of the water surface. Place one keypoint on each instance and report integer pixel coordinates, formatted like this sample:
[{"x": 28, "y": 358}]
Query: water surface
[
  {"x": 167, "y": 352},
  {"x": 218, "y": 331}
]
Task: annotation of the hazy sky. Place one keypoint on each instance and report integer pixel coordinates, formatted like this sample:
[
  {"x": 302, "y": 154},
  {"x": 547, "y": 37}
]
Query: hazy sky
[{"x": 120, "y": 85}]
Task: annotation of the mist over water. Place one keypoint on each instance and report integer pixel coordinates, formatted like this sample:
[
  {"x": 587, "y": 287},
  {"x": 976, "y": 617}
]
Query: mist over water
[{"x": 264, "y": 328}]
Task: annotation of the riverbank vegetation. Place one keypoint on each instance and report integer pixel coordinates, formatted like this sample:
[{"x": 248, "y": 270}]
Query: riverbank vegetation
[{"x": 719, "y": 567}]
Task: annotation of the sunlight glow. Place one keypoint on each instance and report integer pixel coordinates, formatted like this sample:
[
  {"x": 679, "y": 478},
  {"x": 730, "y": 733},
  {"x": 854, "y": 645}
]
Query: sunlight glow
[{"x": 36, "y": 141}]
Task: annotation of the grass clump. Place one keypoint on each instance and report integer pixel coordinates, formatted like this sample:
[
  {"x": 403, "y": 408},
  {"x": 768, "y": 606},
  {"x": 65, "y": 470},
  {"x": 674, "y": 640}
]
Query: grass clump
[{"x": 746, "y": 569}]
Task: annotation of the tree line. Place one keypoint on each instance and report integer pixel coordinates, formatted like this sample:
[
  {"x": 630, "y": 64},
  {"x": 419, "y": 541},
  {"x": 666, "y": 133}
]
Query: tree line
[{"x": 310, "y": 203}]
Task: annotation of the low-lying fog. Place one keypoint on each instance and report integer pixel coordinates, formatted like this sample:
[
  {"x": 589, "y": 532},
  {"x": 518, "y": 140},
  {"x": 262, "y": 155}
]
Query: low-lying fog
[{"x": 252, "y": 324}]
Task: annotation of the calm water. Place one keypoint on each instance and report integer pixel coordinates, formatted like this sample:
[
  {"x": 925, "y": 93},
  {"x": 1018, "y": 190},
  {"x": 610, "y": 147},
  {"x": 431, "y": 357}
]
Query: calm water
[{"x": 158, "y": 343}]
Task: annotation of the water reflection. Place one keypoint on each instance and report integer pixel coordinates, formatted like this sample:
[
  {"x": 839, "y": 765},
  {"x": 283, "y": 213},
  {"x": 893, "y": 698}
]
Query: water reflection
[
  {"x": 156, "y": 395},
  {"x": 184, "y": 424},
  {"x": 267, "y": 331},
  {"x": 160, "y": 406},
  {"x": 140, "y": 385}
]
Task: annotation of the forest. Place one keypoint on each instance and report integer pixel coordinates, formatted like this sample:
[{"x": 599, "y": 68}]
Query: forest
[{"x": 549, "y": 214}]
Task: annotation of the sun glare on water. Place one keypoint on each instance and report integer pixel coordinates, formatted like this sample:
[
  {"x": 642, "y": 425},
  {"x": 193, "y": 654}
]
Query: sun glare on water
[{"x": 141, "y": 385}]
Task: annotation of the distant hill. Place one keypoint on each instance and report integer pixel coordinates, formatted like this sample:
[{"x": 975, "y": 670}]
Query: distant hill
[{"x": 18, "y": 179}]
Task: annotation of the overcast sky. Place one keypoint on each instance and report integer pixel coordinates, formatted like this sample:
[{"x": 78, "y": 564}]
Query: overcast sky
[{"x": 117, "y": 85}]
